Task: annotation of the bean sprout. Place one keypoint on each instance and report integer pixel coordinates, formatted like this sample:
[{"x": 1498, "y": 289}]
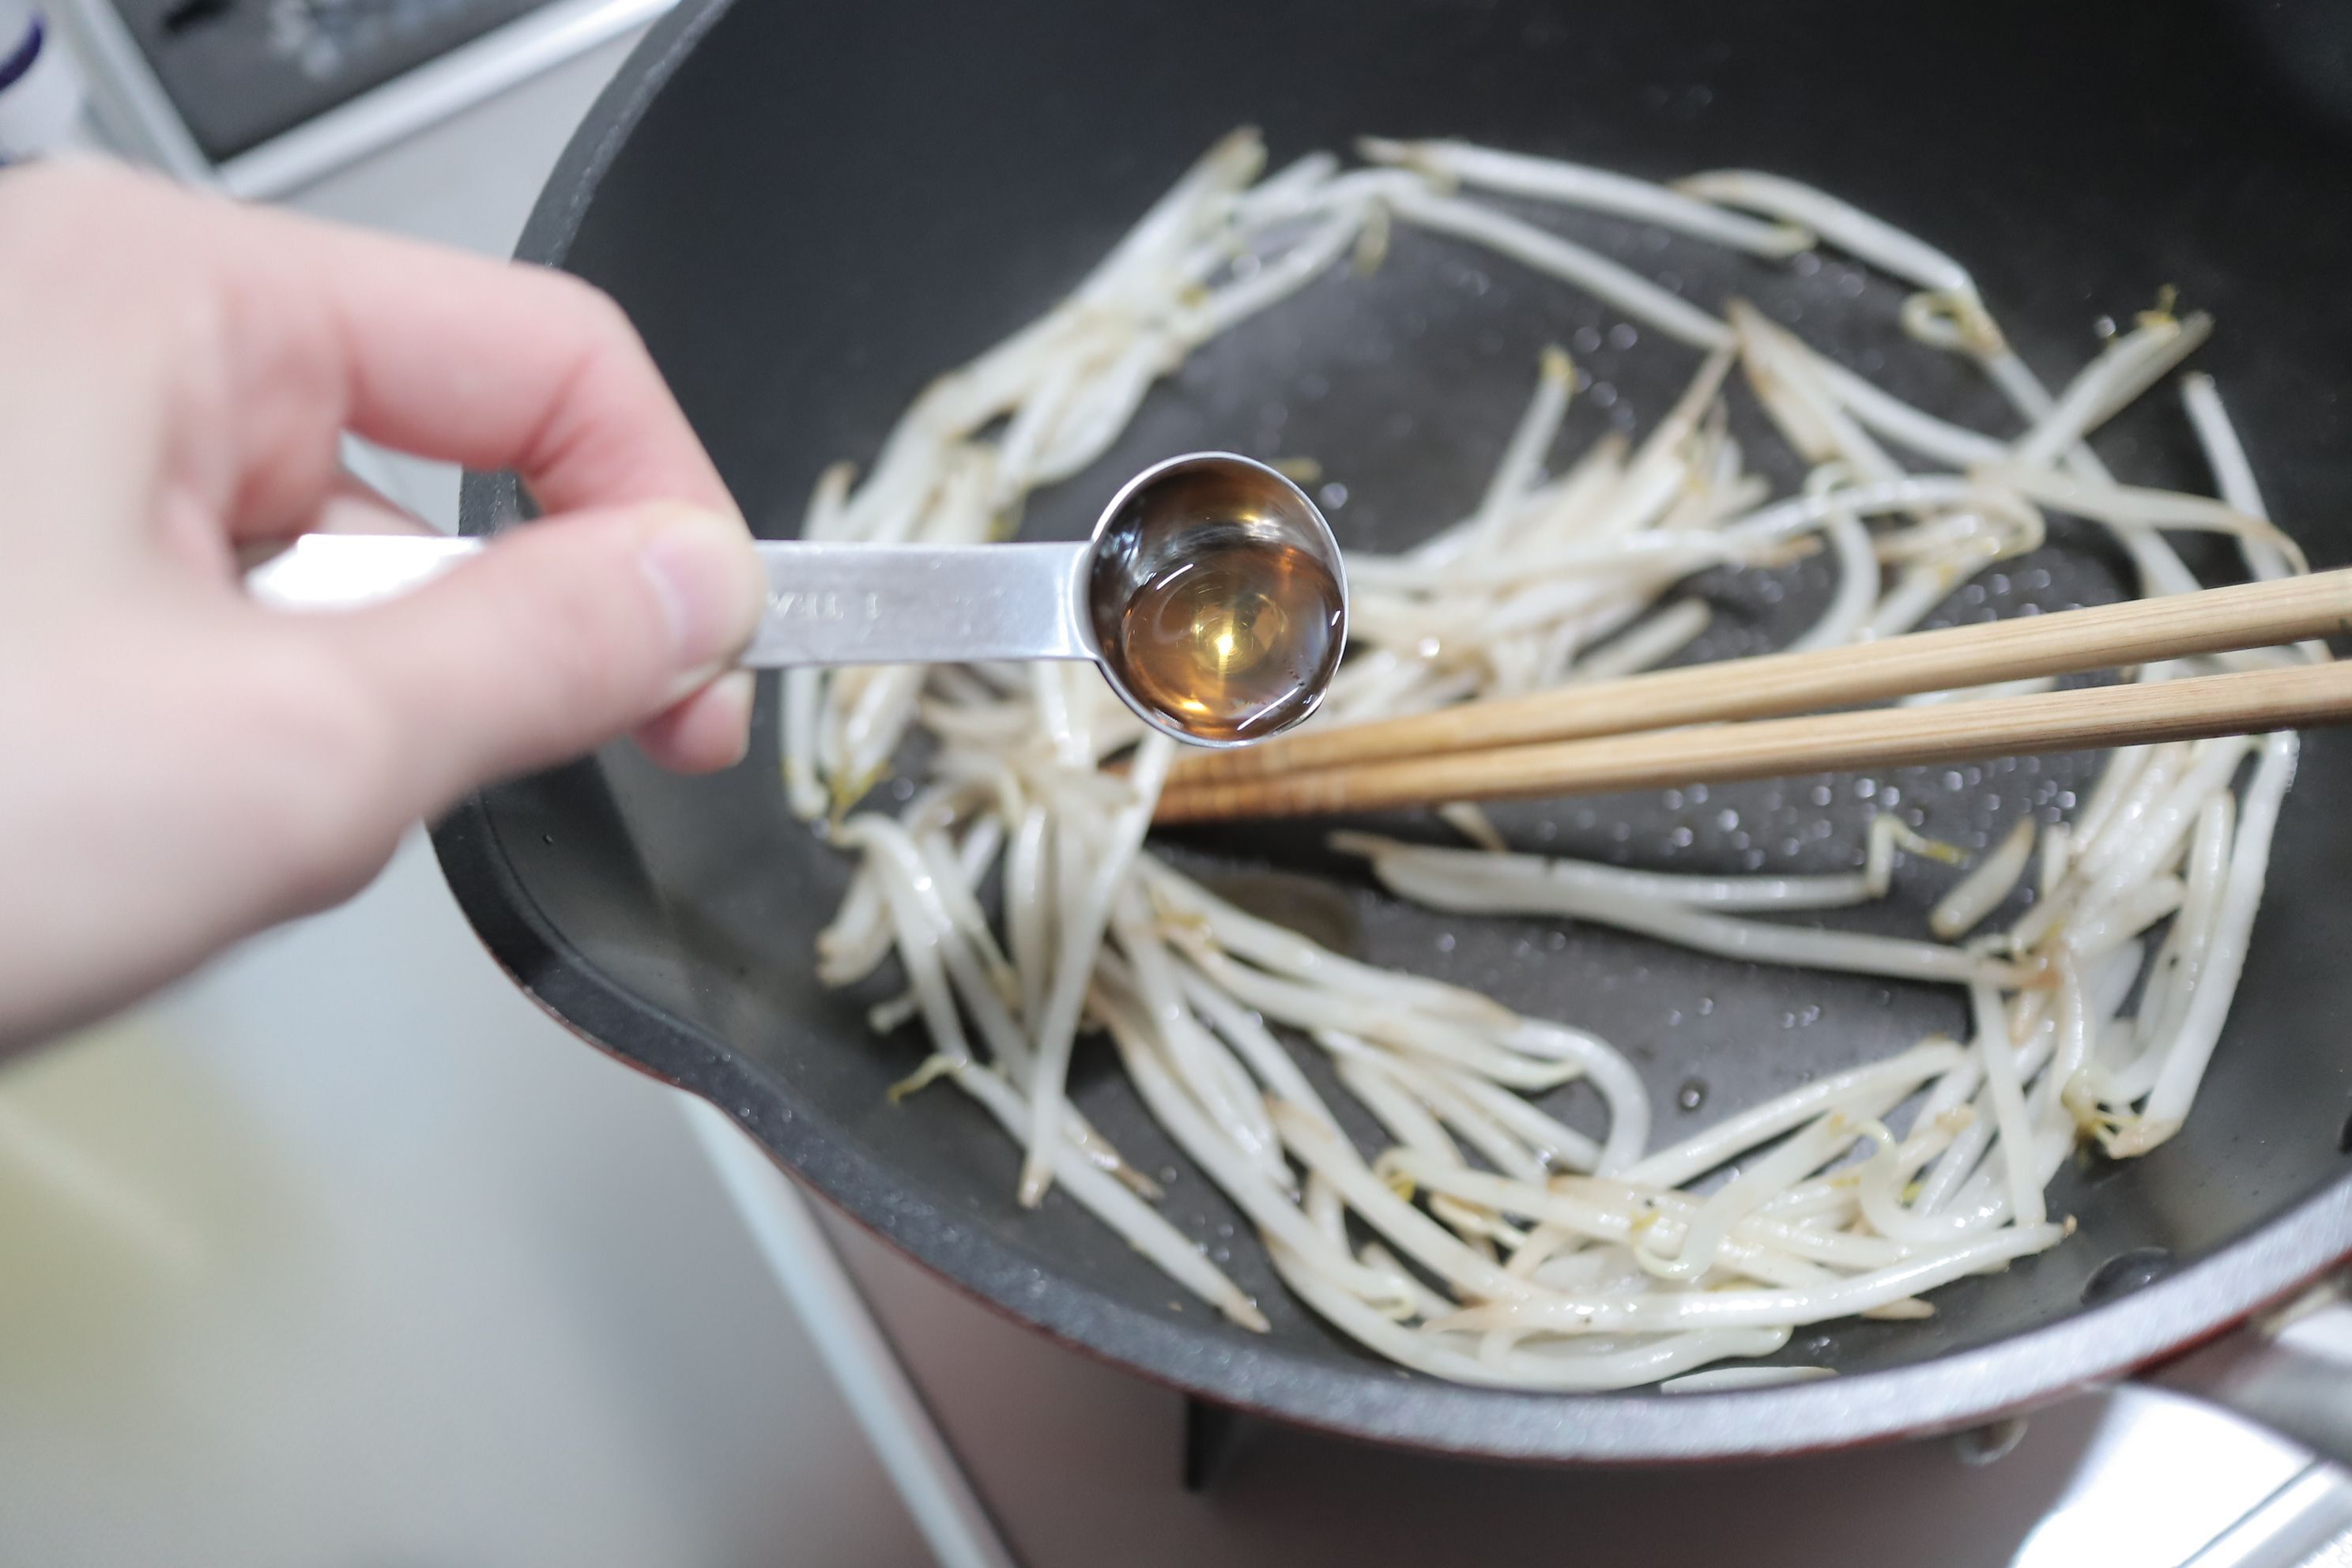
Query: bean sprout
[
  {"x": 1976, "y": 895},
  {"x": 1576, "y": 185},
  {"x": 1514, "y": 1224}
]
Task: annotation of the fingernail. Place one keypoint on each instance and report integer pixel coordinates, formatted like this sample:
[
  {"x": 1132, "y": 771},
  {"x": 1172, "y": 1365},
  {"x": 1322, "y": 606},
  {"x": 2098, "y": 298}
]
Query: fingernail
[{"x": 710, "y": 584}]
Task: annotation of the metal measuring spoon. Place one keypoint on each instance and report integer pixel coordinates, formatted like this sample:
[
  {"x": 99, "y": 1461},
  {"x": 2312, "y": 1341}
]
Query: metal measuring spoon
[{"x": 1211, "y": 593}]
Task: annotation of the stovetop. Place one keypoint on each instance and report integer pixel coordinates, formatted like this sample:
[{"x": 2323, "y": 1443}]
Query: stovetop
[
  {"x": 1080, "y": 1463},
  {"x": 241, "y": 71}
]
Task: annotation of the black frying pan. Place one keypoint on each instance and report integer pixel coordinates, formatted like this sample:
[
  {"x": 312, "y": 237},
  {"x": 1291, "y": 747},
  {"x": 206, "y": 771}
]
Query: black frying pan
[{"x": 809, "y": 210}]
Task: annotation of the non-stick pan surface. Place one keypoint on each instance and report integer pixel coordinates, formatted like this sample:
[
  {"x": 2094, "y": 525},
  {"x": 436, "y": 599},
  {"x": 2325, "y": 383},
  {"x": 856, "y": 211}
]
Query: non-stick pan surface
[{"x": 810, "y": 210}]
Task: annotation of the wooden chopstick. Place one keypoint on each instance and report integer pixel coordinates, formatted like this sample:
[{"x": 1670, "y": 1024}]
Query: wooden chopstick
[
  {"x": 2216, "y": 620},
  {"x": 2245, "y": 703}
]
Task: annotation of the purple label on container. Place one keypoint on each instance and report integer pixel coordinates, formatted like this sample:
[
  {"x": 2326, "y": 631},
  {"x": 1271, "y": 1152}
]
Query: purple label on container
[{"x": 20, "y": 60}]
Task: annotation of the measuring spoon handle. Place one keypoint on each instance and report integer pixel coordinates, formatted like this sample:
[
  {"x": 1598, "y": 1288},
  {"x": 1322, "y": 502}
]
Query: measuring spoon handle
[{"x": 828, "y": 602}]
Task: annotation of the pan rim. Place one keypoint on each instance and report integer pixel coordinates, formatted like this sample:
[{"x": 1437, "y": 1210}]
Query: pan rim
[{"x": 1371, "y": 1402}]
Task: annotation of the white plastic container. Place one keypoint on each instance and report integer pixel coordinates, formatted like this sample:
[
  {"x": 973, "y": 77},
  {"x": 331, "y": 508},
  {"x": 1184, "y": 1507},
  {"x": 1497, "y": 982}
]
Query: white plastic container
[{"x": 40, "y": 90}]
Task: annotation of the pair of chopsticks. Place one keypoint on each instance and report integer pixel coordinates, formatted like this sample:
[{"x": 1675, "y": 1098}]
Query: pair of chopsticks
[{"x": 1722, "y": 721}]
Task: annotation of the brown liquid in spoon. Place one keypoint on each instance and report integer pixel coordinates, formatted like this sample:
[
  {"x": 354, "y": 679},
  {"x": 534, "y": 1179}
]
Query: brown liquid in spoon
[{"x": 1235, "y": 641}]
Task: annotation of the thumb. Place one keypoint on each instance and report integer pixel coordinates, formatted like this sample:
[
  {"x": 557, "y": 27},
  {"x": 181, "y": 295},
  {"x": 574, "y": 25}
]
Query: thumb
[{"x": 561, "y": 636}]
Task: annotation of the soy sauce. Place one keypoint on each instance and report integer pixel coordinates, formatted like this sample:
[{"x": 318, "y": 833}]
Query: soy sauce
[{"x": 1235, "y": 640}]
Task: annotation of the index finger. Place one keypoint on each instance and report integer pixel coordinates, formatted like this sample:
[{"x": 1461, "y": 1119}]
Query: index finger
[
  {"x": 298, "y": 330},
  {"x": 504, "y": 364}
]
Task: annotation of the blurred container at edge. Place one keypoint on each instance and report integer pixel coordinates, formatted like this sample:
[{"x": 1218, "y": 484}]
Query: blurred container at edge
[{"x": 40, "y": 90}]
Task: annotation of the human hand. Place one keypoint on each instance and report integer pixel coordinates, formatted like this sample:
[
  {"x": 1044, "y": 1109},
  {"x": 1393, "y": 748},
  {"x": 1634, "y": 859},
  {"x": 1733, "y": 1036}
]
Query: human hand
[{"x": 185, "y": 767}]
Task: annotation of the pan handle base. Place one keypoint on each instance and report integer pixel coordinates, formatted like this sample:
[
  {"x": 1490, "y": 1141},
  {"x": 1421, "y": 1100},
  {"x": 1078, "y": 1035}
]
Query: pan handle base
[{"x": 2291, "y": 1371}]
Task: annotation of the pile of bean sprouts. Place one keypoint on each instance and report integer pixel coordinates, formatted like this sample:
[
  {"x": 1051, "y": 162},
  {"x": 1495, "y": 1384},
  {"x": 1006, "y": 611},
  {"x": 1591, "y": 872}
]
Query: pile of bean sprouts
[{"x": 1489, "y": 1242}]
